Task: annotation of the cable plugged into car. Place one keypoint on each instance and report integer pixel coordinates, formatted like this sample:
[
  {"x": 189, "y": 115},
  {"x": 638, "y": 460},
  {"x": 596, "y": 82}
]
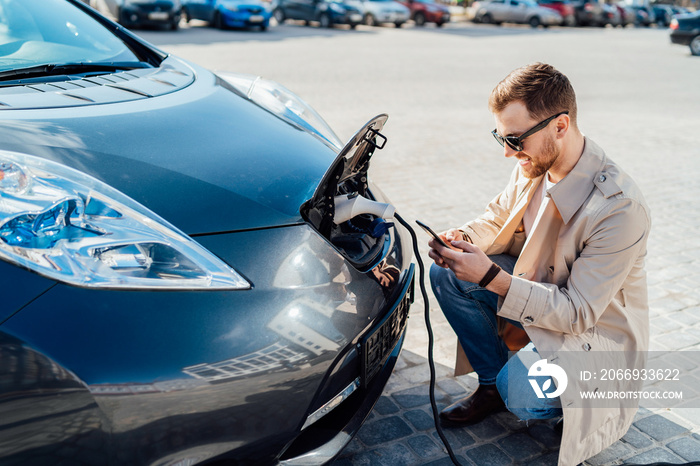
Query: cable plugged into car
[{"x": 347, "y": 207}]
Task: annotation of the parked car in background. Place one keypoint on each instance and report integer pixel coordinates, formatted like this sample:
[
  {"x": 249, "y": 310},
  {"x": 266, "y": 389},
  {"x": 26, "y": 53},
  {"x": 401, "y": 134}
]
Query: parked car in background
[
  {"x": 183, "y": 279},
  {"x": 663, "y": 14},
  {"x": 589, "y": 13},
  {"x": 611, "y": 15},
  {"x": 645, "y": 15},
  {"x": 564, "y": 8},
  {"x": 513, "y": 11},
  {"x": 627, "y": 15},
  {"x": 427, "y": 11},
  {"x": 134, "y": 14},
  {"x": 376, "y": 12},
  {"x": 679, "y": 10},
  {"x": 685, "y": 30},
  {"x": 326, "y": 12},
  {"x": 228, "y": 13}
]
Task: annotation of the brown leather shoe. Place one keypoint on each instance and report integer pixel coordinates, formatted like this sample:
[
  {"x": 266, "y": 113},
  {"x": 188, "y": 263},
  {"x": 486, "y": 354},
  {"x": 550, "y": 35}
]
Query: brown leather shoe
[{"x": 474, "y": 408}]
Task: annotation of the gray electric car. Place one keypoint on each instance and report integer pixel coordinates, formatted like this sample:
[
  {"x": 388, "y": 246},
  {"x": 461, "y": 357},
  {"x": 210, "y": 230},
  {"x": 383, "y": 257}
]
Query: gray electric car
[{"x": 177, "y": 285}]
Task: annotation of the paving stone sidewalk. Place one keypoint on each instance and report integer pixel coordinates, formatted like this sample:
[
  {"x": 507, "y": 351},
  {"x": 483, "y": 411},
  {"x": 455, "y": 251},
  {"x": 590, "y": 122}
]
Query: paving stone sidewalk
[{"x": 401, "y": 431}]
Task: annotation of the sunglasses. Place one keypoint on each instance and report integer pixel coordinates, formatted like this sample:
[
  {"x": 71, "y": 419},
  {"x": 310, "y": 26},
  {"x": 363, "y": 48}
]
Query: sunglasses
[{"x": 516, "y": 142}]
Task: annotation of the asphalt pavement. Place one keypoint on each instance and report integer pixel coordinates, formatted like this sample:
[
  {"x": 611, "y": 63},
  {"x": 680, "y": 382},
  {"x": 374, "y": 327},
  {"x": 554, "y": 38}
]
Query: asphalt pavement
[{"x": 638, "y": 98}]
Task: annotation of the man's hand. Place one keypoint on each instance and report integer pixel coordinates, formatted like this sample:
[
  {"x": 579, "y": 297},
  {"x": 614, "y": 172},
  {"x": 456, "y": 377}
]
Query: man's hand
[
  {"x": 469, "y": 263},
  {"x": 453, "y": 234},
  {"x": 447, "y": 236}
]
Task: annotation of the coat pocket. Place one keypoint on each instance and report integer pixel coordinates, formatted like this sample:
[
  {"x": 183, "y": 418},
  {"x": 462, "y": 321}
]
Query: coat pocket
[{"x": 621, "y": 298}]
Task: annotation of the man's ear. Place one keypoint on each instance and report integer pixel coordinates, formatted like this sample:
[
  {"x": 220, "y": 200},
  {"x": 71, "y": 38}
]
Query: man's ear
[{"x": 563, "y": 123}]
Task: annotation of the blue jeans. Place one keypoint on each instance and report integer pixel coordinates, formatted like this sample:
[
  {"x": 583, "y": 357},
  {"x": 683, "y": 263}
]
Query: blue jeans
[{"x": 471, "y": 311}]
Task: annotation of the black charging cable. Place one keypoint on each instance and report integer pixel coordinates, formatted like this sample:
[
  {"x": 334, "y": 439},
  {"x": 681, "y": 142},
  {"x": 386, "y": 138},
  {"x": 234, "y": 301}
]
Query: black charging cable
[{"x": 431, "y": 361}]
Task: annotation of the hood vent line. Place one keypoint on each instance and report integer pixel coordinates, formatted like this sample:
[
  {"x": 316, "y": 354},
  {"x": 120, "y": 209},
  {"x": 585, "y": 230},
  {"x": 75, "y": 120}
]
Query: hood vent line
[
  {"x": 127, "y": 89},
  {"x": 160, "y": 81},
  {"x": 77, "y": 97}
]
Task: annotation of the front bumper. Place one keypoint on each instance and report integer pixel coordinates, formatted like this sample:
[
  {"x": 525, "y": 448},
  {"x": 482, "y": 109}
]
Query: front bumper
[
  {"x": 440, "y": 17},
  {"x": 354, "y": 17},
  {"x": 392, "y": 17},
  {"x": 246, "y": 17},
  {"x": 379, "y": 351},
  {"x": 207, "y": 375}
]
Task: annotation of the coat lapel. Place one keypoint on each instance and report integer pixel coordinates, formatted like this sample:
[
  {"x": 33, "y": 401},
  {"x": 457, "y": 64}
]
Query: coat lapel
[
  {"x": 537, "y": 252},
  {"x": 516, "y": 214}
]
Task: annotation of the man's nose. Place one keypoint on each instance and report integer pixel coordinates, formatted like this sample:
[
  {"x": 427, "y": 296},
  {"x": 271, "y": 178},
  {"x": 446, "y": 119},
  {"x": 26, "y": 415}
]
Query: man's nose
[{"x": 509, "y": 151}]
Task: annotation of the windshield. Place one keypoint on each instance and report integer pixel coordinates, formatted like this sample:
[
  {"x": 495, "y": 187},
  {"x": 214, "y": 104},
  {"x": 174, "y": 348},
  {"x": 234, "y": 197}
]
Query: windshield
[{"x": 38, "y": 32}]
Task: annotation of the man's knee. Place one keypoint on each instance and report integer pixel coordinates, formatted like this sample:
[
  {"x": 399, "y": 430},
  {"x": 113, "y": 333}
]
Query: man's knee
[{"x": 514, "y": 387}]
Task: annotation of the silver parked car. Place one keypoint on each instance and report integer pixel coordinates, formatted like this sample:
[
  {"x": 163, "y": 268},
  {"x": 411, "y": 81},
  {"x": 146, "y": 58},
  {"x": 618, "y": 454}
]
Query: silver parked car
[
  {"x": 513, "y": 11},
  {"x": 375, "y": 12}
]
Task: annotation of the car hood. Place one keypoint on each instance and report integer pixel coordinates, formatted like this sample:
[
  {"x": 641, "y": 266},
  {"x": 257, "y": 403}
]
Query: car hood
[{"x": 176, "y": 139}]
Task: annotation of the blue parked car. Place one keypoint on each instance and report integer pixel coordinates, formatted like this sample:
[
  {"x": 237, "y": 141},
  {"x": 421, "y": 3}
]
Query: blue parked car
[{"x": 228, "y": 13}]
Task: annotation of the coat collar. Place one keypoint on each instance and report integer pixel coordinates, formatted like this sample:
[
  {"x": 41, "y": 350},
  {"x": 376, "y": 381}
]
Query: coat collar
[{"x": 571, "y": 192}]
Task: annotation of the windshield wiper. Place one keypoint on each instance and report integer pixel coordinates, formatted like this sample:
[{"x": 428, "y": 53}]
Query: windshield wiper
[{"x": 69, "y": 69}]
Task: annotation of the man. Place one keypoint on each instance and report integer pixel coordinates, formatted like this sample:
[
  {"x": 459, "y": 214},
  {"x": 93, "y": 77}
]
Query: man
[{"x": 560, "y": 254}]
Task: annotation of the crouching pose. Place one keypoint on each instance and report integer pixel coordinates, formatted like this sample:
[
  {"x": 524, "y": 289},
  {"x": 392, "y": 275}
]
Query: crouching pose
[{"x": 558, "y": 256}]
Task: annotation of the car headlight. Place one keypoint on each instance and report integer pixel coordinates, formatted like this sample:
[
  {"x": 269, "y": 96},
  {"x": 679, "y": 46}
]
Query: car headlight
[
  {"x": 282, "y": 102},
  {"x": 231, "y": 7},
  {"x": 71, "y": 227}
]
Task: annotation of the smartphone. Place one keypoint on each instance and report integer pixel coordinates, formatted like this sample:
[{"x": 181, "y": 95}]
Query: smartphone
[{"x": 433, "y": 234}]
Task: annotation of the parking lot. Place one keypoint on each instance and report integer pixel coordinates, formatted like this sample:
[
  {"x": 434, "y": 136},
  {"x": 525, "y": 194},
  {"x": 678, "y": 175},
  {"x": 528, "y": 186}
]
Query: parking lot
[{"x": 638, "y": 98}]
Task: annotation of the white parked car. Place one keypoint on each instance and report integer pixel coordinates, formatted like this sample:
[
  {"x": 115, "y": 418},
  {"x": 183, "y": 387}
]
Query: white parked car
[
  {"x": 513, "y": 11},
  {"x": 376, "y": 12}
]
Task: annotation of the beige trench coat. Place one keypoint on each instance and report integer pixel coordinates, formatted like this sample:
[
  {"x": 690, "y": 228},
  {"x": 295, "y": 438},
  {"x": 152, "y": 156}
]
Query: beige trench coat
[{"x": 579, "y": 284}]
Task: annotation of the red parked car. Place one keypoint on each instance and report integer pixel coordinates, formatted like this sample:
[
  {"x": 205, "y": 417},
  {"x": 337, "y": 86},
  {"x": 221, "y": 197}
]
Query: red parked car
[
  {"x": 427, "y": 11},
  {"x": 565, "y": 9}
]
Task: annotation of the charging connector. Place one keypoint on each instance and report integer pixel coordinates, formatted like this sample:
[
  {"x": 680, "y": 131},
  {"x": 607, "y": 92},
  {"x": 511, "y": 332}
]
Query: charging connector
[{"x": 350, "y": 206}]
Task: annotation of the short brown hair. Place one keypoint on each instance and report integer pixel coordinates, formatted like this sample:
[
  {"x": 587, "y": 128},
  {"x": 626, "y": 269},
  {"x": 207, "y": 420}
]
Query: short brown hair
[{"x": 544, "y": 90}]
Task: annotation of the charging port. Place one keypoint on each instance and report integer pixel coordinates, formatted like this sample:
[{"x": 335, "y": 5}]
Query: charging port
[{"x": 360, "y": 238}]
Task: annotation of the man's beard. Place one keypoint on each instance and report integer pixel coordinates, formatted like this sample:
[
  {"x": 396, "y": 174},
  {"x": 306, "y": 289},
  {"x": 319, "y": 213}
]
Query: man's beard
[{"x": 544, "y": 162}]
